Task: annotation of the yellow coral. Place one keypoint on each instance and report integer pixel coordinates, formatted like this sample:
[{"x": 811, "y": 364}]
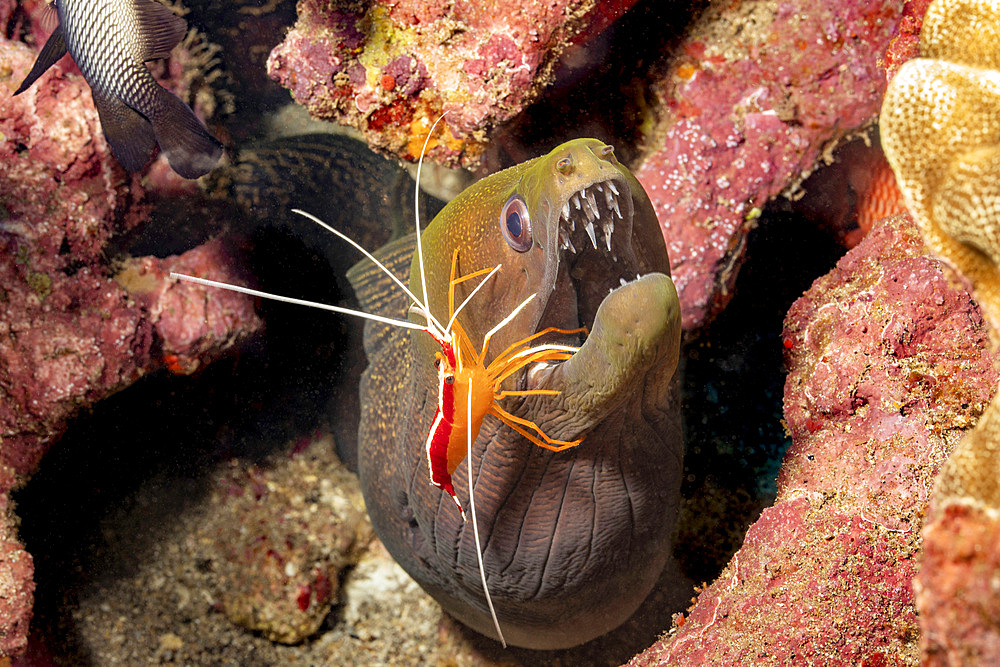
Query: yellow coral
[
  {"x": 420, "y": 127},
  {"x": 940, "y": 128}
]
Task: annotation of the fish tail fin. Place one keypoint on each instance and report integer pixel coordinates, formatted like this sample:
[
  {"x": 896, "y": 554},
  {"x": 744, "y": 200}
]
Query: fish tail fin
[
  {"x": 190, "y": 149},
  {"x": 129, "y": 134},
  {"x": 54, "y": 49}
]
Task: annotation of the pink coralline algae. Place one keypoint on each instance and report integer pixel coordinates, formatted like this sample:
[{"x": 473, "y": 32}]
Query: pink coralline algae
[
  {"x": 194, "y": 325},
  {"x": 69, "y": 334},
  {"x": 956, "y": 589},
  {"x": 906, "y": 44},
  {"x": 888, "y": 365},
  {"x": 389, "y": 68},
  {"x": 17, "y": 586},
  {"x": 752, "y": 98}
]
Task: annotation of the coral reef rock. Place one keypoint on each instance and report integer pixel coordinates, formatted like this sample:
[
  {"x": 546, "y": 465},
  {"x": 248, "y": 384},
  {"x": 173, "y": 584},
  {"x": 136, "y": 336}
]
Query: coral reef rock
[
  {"x": 751, "y": 99},
  {"x": 390, "y": 68},
  {"x": 888, "y": 365},
  {"x": 941, "y": 133},
  {"x": 280, "y": 536},
  {"x": 69, "y": 334}
]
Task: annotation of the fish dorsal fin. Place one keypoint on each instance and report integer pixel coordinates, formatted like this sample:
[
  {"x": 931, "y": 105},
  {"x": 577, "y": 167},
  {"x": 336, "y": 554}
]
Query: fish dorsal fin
[
  {"x": 376, "y": 292},
  {"x": 54, "y": 49},
  {"x": 160, "y": 28}
]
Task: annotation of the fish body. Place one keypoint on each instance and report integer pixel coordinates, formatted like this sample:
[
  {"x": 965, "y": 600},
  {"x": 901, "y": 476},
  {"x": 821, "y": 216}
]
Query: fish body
[
  {"x": 573, "y": 541},
  {"x": 110, "y": 41}
]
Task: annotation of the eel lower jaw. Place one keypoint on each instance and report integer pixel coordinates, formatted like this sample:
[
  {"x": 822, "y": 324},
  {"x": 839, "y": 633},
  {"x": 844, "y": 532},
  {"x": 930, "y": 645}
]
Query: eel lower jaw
[{"x": 635, "y": 339}]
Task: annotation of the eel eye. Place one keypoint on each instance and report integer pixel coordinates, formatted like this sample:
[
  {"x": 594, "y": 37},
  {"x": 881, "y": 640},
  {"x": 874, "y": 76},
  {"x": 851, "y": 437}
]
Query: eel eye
[{"x": 515, "y": 223}]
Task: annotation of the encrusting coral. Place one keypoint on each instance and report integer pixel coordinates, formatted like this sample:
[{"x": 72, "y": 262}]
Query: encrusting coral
[
  {"x": 750, "y": 101},
  {"x": 888, "y": 365},
  {"x": 941, "y": 133}
]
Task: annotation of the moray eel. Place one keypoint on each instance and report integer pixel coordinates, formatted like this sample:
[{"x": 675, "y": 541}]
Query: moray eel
[{"x": 573, "y": 541}]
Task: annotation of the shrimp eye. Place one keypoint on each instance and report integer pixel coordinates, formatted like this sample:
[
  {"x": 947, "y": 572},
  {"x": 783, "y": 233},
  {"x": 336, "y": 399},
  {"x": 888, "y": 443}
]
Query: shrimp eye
[
  {"x": 515, "y": 223},
  {"x": 437, "y": 362},
  {"x": 449, "y": 379}
]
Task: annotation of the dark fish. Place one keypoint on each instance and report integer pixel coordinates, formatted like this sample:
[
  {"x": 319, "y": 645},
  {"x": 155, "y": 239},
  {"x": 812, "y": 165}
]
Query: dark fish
[
  {"x": 335, "y": 176},
  {"x": 111, "y": 40},
  {"x": 573, "y": 541}
]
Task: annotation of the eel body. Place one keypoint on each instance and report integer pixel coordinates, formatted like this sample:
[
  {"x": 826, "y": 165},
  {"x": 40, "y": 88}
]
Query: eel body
[{"x": 573, "y": 541}]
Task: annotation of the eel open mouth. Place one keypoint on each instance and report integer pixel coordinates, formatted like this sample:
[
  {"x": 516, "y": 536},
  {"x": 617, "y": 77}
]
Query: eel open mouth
[{"x": 595, "y": 251}]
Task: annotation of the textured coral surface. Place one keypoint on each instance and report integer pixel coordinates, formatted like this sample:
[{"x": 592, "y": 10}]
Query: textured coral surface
[
  {"x": 69, "y": 334},
  {"x": 887, "y": 366},
  {"x": 957, "y": 586},
  {"x": 390, "y": 68},
  {"x": 280, "y": 537},
  {"x": 749, "y": 111}
]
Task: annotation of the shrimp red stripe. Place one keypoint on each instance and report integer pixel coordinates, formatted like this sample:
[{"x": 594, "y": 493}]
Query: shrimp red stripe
[{"x": 444, "y": 422}]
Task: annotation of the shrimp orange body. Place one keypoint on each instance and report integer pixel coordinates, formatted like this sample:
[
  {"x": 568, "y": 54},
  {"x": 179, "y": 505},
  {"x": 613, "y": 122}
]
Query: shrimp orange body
[{"x": 448, "y": 439}]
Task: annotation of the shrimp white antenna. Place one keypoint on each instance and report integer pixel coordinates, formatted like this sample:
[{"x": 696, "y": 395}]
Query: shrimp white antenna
[
  {"x": 475, "y": 526},
  {"x": 472, "y": 294},
  {"x": 406, "y": 324},
  {"x": 505, "y": 321},
  {"x": 416, "y": 213},
  {"x": 424, "y": 309}
]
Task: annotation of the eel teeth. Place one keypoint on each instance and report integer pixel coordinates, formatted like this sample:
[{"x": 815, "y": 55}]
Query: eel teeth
[
  {"x": 588, "y": 204},
  {"x": 590, "y": 232},
  {"x": 610, "y": 200},
  {"x": 623, "y": 282},
  {"x": 593, "y": 205},
  {"x": 582, "y": 206},
  {"x": 564, "y": 242}
]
